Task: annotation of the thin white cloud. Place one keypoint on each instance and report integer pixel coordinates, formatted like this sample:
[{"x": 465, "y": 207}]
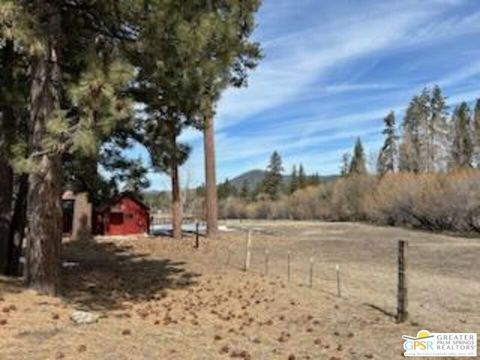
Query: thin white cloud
[
  {"x": 343, "y": 88},
  {"x": 297, "y": 73},
  {"x": 302, "y": 57}
]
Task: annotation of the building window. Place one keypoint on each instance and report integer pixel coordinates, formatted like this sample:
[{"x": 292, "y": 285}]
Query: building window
[{"x": 116, "y": 218}]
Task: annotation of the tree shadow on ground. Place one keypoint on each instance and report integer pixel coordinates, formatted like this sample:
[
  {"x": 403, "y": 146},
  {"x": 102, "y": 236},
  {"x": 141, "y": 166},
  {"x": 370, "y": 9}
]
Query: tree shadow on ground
[
  {"x": 12, "y": 285},
  {"x": 109, "y": 275},
  {"x": 382, "y": 310}
]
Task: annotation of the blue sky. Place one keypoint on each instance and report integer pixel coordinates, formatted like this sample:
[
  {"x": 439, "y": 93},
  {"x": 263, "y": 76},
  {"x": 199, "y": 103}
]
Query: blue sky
[{"x": 332, "y": 71}]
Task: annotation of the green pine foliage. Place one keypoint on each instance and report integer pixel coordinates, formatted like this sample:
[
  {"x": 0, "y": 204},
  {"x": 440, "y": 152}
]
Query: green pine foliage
[
  {"x": 387, "y": 157},
  {"x": 244, "y": 191},
  {"x": 272, "y": 183},
  {"x": 476, "y": 135},
  {"x": 358, "y": 164},
  {"x": 425, "y": 139},
  {"x": 462, "y": 146},
  {"x": 345, "y": 164},
  {"x": 302, "y": 177},
  {"x": 226, "y": 190},
  {"x": 293, "y": 186}
]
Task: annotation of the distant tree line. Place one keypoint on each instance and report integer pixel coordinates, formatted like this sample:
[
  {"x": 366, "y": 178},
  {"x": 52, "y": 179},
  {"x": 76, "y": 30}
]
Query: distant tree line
[
  {"x": 426, "y": 176},
  {"x": 428, "y": 141},
  {"x": 272, "y": 186}
]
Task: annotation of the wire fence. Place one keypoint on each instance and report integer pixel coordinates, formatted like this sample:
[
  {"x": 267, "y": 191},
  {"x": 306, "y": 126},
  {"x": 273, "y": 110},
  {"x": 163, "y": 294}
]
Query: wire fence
[{"x": 441, "y": 278}]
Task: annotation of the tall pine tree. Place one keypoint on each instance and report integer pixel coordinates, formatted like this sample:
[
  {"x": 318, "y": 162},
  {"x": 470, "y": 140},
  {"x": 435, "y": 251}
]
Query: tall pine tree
[
  {"x": 476, "y": 137},
  {"x": 462, "y": 146},
  {"x": 293, "y": 186},
  {"x": 75, "y": 80},
  {"x": 411, "y": 147},
  {"x": 387, "y": 157},
  {"x": 302, "y": 177},
  {"x": 345, "y": 164},
  {"x": 272, "y": 182},
  {"x": 229, "y": 56},
  {"x": 358, "y": 164},
  {"x": 437, "y": 132}
]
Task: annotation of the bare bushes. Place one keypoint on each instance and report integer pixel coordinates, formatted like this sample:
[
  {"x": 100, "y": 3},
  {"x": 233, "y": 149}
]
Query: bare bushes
[
  {"x": 428, "y": 201},
  {"x": 348, "y": 198}
]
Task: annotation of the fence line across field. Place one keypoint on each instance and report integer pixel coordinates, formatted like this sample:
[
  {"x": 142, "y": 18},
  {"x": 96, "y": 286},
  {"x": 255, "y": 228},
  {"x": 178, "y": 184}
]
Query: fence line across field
[{"x": 384, "y": 288}]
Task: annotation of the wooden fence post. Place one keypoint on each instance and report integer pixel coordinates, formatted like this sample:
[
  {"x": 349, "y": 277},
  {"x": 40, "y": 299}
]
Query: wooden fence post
[
  {"x": 311, "y": 272},
  {"x": 247, "y": 252},
  {"x": 267, "y": 261},
  {"x": 289, "y": 260},
  {"x": 402, "y": 299},
  {"x": 197, "y": 235},
  {"x": 339, "y": 291}
]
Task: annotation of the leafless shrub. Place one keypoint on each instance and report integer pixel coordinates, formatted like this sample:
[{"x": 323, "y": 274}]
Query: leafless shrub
[{"x": 429, "y": 201}]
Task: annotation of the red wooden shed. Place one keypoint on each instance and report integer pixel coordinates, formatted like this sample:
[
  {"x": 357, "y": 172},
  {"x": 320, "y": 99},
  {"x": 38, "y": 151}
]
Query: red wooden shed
[{"x": 123, "y": 215}]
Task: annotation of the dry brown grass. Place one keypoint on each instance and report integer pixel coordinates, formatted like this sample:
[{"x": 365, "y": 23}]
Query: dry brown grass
[{"x": 161, "y": 299}]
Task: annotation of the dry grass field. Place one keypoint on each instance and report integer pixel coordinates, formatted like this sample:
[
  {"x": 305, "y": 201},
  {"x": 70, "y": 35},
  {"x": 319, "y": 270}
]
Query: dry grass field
[{"x": 161, "y": 299}]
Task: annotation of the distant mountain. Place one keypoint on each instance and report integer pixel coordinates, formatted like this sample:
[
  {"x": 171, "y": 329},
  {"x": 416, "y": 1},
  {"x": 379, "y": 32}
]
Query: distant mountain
[{"x": 253, "y": 177}]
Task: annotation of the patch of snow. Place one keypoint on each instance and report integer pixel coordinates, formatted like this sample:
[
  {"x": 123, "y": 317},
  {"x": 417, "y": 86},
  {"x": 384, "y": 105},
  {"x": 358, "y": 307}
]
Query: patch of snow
[{"x": 84, "y": 317}]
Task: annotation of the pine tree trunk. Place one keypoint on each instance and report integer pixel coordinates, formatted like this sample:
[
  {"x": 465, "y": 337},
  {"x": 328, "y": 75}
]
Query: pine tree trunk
[
  {"x": 211, "y": 202},
  {"x": 44, "y": 210},
  {"x": 176, "y": 204},
  {"x": 7, "y": 127},
  {"x": 17, "y": 228},
  {"x": 6, "y": 191}
]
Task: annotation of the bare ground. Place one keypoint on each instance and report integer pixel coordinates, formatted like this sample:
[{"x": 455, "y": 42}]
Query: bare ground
[{"x": 161, "y": 299}]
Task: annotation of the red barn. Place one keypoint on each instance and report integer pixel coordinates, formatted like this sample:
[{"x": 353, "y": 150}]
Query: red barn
[{"x": 123, "y": 215}]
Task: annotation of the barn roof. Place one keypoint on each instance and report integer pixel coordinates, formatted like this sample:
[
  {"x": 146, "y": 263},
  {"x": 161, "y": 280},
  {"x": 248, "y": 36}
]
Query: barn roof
[{"x": 119, "y": 197}]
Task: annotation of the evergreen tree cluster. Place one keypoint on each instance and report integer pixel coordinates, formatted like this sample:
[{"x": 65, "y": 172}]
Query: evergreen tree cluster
[
  {"x": 273, "y": 185},
  {"x": 356, "y": 164},
  {"x": 429, "y": 139},
  {"x": 300, "y": 180},
  {"x": 82, "y": 80}
]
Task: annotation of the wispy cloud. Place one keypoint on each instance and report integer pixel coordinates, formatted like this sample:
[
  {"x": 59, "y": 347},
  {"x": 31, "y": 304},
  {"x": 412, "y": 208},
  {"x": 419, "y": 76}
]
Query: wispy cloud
[
  {"x": 333, "y": 70},
  {"x": 298, "y": 59}
]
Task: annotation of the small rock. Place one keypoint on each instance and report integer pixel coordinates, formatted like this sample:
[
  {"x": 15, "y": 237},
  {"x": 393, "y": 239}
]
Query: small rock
[
  {"x": 83, "y": 317},
  {"x": 60, "y": 355},
  {"x": 82, "y": 348},
  {"x": 254, "y": 339},
  {"x": 126, "y": 332}
]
